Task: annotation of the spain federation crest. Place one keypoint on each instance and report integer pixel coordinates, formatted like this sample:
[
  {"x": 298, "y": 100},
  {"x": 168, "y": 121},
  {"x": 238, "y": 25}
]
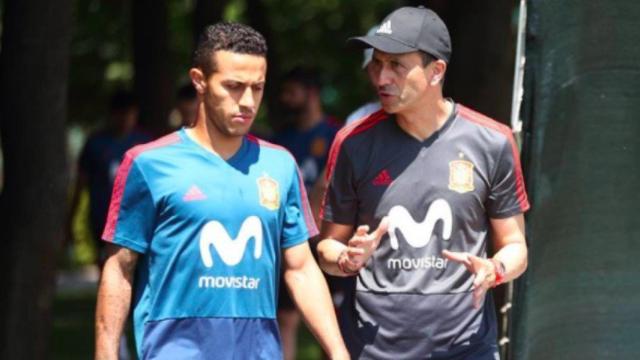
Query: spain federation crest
[
  {"x": 269, "y": 192},
  {"x": 461, "y": 176}
]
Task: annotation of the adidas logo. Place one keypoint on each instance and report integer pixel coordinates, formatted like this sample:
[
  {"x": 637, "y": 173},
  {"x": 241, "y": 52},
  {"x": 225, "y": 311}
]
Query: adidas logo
[
  {"x": 383, "y": 179},
  {"x": 385, "y": 28},
  {"x": 194, "y": 194}
]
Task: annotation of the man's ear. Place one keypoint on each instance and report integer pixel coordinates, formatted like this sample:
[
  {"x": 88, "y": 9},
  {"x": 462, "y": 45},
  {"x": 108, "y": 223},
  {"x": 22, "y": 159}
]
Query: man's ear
[
  {"x": 198, "y": 80},
  {"x": 439, "y": 68}
]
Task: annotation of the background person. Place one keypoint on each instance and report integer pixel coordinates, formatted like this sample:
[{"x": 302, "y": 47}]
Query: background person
[{"x": 308, "y": 134}]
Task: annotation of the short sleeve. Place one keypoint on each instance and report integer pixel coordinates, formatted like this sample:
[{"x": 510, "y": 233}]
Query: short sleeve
[
  {"x": 508, "y": 196},
  {"x": 132, "y": 210},
  {"x": 340, "y": 200},
  {"x": 299, "y": 225}
]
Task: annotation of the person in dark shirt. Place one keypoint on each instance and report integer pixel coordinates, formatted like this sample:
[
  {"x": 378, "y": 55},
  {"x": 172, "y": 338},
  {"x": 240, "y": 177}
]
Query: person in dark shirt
[
  {"x": 416, "y": 191},
  {"x": 307, "y": 135},
  {"x": 100, "y": 158}
]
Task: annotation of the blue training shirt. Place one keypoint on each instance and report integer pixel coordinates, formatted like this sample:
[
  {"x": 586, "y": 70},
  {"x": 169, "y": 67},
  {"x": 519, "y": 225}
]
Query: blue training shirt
[
  {"x": 309, "y": 147},
  {"x": 210, "y": 233}
]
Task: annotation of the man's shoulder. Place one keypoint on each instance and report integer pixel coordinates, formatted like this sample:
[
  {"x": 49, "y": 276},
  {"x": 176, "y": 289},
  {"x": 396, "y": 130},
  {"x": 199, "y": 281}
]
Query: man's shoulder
[
  {"x": 273, "y": 150},
  {"x": 332, "y": 123},
  {"x": 99, "y": 138},
  {"x": 358, "y": 129},
  {"x": 481, "y": 122},
  {"x": 149, "y": 151}
]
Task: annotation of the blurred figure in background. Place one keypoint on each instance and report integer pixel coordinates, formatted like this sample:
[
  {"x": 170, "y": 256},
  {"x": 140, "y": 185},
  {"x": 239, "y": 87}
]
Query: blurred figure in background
[
  {"x": 186, "y": 107},
  {"x": 100, "y": 158},
  {"x": 308, "y": 135},
  {"x": 97, "y": 166},
  {"x": 309, "y": 131},
  {"x": 374, "y": 105}
]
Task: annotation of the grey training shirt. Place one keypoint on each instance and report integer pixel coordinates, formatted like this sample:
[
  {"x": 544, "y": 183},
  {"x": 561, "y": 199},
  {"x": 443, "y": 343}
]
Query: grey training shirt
[{"x": 410, "y": 302}]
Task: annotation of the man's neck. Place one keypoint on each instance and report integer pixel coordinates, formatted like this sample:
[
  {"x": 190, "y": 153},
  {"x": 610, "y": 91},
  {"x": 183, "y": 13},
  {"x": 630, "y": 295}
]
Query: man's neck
[
  {"x": 426, "y": 118},
  {"x": 209, "y": 137},
  {"x": 310, "y": 118}
]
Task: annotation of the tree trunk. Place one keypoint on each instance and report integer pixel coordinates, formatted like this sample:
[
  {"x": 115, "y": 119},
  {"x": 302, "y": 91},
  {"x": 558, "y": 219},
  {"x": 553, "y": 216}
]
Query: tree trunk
[
  {"x": 153, "y": 81},
  {"x": 257, "y": 14},
  {"x": 207, "y": 12},
  {"x": 581, "y": 292},
  {"x": 34, "y": 70}
]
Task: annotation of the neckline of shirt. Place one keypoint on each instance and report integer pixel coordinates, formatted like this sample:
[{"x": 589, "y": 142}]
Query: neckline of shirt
[
  {"x": 436, "y": 134},
  {"x": 233, "y": 160}
]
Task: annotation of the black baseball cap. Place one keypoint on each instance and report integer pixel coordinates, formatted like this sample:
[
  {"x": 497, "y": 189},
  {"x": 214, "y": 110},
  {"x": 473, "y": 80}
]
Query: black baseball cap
[{"x": 410, "y": 29}]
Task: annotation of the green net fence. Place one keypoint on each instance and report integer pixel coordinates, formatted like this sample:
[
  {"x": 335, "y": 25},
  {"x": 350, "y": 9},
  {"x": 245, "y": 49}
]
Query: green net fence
[{"x": 580, "y": 298}]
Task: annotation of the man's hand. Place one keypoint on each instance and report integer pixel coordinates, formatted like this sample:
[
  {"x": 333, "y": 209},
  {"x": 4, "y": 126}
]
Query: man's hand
[
  {"x": 484, "y": 271},
  {"x": 361, "y": 246}
]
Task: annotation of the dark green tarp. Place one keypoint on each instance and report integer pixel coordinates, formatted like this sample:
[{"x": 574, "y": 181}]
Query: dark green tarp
[{"x": 580, "y": 298}]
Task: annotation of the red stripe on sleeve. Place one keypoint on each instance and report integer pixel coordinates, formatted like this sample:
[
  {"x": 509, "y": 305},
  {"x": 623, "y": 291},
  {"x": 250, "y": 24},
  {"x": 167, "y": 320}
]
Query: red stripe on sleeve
[
  {"x": 354, "y": 128},
  {"x": 485, "y": 121},
  {"x": 121, "y": 181}
]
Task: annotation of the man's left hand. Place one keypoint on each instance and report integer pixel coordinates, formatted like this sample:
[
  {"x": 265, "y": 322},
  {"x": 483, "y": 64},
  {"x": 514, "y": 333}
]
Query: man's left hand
[{"x": 484, "y": 272}]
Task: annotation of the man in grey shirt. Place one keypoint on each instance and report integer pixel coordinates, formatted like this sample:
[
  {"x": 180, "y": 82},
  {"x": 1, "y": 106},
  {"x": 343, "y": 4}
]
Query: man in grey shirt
[{"x": 437, "y": 181}]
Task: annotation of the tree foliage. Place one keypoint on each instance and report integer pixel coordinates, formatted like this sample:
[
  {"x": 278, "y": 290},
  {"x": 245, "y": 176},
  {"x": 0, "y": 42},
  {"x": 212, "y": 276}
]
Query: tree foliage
[{"x": 311, "y": 33}]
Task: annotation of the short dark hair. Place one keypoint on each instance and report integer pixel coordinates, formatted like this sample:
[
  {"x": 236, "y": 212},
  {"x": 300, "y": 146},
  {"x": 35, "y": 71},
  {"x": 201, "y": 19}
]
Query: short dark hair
[
  {"x": 234, "y": 37},
  {"x": 307, "y": 77},
  {"x": 426, "y": 58},
  {"x": 122, "y": 100},
  {"x": 186, "y": 92}
]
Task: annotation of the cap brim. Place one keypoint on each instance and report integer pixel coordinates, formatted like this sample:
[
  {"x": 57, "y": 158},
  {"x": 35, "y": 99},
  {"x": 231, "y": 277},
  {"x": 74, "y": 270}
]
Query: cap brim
[{"x": 381, "y": 43}]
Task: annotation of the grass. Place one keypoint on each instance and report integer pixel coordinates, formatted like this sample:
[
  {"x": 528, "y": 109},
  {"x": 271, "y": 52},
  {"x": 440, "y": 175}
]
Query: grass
[{"x": 73, "y": 332}]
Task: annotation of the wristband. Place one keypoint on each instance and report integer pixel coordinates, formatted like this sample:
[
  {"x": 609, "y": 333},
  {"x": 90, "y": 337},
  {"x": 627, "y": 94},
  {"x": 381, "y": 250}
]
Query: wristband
[
  {"x": 499, "y": 271},
  {"x": 342, "y": 258}
]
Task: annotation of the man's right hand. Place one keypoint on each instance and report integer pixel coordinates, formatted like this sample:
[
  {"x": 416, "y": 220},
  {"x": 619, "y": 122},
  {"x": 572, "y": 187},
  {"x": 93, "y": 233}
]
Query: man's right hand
[{"x": 362, "y": 245}]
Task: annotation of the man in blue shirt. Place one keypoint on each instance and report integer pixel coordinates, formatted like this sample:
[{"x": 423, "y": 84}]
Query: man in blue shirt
[
  {"x": 201, "y": 221},
  {"x": 307, "y": 135},
  {"x": 99, "y": 160}
]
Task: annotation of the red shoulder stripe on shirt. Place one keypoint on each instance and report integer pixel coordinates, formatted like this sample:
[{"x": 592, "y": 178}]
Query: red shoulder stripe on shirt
[
  {"x": 306, "y": 208},
  {"x": 352, "y": 129},
  {"x": 487, "y": 122},
  {"x": 121, "y": 180}
]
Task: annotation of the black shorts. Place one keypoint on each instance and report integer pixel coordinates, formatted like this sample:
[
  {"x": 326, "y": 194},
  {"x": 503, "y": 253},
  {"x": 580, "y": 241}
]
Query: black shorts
[{"x": 337, "y": 287}]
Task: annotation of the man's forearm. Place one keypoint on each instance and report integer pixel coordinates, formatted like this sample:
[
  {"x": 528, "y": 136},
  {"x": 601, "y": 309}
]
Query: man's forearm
[
  {"x": 114, "y": 299},
  {"x": 328, "y": 254},
  {"x": 514, "y": 258},
  {"x": 310, "y": 292}
]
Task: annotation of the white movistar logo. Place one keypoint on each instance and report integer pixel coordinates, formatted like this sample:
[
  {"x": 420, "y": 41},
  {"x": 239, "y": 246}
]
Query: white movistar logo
[
  {"x": 419, "y": 234},
  {"x": 385, "y": 28},
  {"x": 230, "y": 250}
]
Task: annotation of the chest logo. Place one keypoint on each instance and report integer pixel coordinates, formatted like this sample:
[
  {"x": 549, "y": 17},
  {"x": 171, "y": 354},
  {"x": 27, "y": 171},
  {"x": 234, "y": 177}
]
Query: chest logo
[
  {"x": 382, "y": 179},
  {"x": 194, "y": 194},
  {"x": 318, "y": 147},
  {"x": 418, "y": 234},
  {"x": 461, "y": 176},
  {"x": 230, "y": 250},
  {"x": 269, "y": 192}
]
